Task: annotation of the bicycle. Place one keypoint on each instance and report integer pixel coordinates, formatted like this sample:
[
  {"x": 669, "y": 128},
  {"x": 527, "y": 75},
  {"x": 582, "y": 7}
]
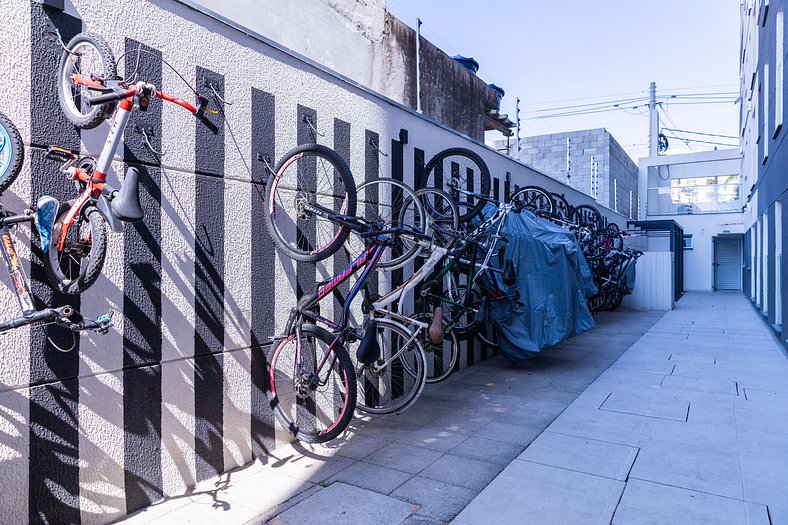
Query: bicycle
[
  {"x": 87, "y": 66},
  {"x": 42, "y": 215},
  {"x": 313, "y": 382}
]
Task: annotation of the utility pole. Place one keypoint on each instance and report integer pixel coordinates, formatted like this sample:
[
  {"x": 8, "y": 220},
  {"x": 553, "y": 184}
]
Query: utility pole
[
  {"x": 517, "y": 132},
  {"x": 653, "y": 132},
  {"x": 418, "y": 65}
]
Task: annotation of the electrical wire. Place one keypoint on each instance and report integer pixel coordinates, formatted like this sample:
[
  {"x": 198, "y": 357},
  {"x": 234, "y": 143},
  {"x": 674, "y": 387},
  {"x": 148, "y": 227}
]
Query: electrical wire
[
  {"x": 687, "y": 140},
  {"x": 699, "y": 133}
]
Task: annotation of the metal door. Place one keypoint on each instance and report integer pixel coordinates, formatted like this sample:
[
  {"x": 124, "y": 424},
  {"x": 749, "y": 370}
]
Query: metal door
[{"x": 727, "y": 263}]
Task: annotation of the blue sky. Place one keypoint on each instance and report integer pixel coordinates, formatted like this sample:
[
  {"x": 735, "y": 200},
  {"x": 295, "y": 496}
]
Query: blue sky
[{"x": 552, "y": 52}]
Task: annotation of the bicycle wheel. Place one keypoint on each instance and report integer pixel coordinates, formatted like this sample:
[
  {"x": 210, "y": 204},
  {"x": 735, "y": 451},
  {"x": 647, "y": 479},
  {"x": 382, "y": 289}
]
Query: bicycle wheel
[
  {"x": 89, "y": 56},
  {"x": 460, "y": 308},
  {"x": 587, "y": 215},
  {"x": 313, "y": 405},
  {"x": 458, "y": 169},
  {"x": 12, "y": 152},
  {"x": 390, "y": 204},
  {"x": 534, "y": 199},
  {"x": 74, "y": 267},
  {"x": 441, "y": 357},
  {"x": 314, "y": 175},
  {"x": 443, "y": 216},
  {"x": 396, "y": 379},
  {"x": 561, "y": 209}
]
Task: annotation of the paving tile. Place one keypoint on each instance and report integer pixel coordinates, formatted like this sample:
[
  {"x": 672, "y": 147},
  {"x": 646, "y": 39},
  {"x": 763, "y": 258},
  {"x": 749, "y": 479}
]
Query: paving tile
[
  {"x": 371, "y": 477},
  {"x": 434, "y": 499},
  {"x": 600, "y": 458},
  {"x": 694, "y": 467},
  {"x": 627, "y": 377},
  {"x": 705, "y": 370},
  {"x": 657, "y": 403},
  {"x": 765, "y": 478},
  {"x": 716, "y": 436},
  {"x": 613, "y": 427},
  {"x": 653, "y": 367},
  {"x": 652, "y": 503},
  {"x": 692, "y": 358},
  {"x": 354, "y": 446},
  {"x": 508, "y": 433},
  {"x": 338, "y": 503},
  {"x": 406, "y": 458},
  {"x": 465, "y": 472},
  {"x": 526, "y": 493},
  {"x": 712, "y": 386},
  {"x": 314, "y": 469},
  {"x": 489, "y": 450},
  {"x": 434, "y": 438}
]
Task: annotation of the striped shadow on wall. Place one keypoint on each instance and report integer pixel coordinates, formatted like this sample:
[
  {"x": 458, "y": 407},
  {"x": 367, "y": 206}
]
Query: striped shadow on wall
[
  {"x": 53, "y": 482},
  {"x": 142, "y": 270},
  {"x": 209, "y": 289}
]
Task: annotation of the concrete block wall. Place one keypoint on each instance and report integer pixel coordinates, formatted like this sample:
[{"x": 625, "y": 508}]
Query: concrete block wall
[
  {"x": 175, "y": 393},
  {"x": 547, "y": 153}
]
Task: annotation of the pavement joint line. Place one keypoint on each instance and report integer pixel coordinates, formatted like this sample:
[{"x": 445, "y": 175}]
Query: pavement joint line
[
  {"x": 644, "y": 415},
  {"x": 742, "y": 500},
  {"x": 689, "y": 406}
]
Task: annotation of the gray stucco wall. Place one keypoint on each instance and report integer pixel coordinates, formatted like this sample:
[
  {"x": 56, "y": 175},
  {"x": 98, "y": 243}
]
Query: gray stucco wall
[{"x": 175, "y": 392}]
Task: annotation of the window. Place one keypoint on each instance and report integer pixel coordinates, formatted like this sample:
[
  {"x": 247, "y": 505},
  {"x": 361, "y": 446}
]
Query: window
[
  {"x": 778, "y": 72},
  {"x": 687, "y": 196},
  {"x": 687, "y": 242}
]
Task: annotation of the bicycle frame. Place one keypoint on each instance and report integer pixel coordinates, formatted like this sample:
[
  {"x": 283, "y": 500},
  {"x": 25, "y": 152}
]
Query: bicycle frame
[
  {"x": 95, "y": 182},
  {"x": 21, "y": 284}
]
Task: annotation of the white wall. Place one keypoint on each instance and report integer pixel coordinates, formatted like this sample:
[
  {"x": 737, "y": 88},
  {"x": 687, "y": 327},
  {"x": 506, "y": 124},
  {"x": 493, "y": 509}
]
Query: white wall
[{"x": 698, "y": 270}]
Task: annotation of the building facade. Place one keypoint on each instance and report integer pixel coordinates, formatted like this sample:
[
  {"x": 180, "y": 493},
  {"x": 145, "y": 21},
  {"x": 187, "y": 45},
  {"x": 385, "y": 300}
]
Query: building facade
[
  {"x": 703, "y": 193},
  {"x": 589, "y": 160},
  {"x": 765, "y": 158}
]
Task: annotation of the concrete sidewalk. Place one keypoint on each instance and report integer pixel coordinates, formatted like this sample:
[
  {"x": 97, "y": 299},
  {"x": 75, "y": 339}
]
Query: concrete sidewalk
[{"x": 689, "y": 425}]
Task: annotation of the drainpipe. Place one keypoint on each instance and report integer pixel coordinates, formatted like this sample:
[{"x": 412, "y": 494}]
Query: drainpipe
[{"x": 418, "y": 65}]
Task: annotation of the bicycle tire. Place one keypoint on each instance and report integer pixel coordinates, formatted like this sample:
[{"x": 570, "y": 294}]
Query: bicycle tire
[
  {"x": 587, "y": 215},
  {"x": 442, "y": 214},
  {"x": 70, "y": 96},
  {"x": 78, "y": 265},
  {"x": 286, "y": 219},
  {"x": 392, "y": 388},
  {"x": 12, "y": 153},
  {"x": 392, "y": 207},
  {"x": 291, "y": 402},
  {"x": 616, "y": 297},
  {"x": 455, "y": 159},
  {"x": 442, "y": 358},
  {"x": 534, "y": 199},
  {"x": 562, "y": 209}
]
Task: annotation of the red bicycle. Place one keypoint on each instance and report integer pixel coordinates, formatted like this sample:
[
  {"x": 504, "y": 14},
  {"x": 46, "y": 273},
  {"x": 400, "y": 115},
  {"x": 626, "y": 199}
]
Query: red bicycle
[{"x": 90, "y": 91}]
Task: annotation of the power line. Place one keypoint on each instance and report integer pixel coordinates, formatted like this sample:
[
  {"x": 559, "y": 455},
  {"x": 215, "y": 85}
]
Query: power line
[
  {"x": 590, "y": 105},
  {"x": 699, "y": 133},
  {"x": 686, "y": 140}
]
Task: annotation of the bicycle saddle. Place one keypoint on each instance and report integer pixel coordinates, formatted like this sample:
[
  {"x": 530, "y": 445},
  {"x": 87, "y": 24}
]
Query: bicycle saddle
[
  {"x": 125, "y": 205},
  {"x": 369, "y": 350}
]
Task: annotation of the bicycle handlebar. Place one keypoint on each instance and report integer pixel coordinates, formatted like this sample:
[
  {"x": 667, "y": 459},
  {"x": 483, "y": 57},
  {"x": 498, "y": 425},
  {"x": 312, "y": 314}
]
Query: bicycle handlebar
[
  {"x": 107, "y": 98},
  {"x": 119, "y": 92}
]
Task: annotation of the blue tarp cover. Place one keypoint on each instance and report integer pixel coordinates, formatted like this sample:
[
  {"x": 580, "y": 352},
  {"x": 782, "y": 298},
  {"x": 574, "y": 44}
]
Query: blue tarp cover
[{"x": 553, "y": 279}]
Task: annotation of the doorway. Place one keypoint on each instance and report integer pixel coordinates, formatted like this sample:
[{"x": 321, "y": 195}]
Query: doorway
[{"x": 727, "y": 262}]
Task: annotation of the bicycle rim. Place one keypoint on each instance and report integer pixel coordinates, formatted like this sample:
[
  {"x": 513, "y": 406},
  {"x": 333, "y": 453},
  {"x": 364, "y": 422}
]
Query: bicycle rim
[
  {"x": 460, "y": 168},
  {"x": 309, "y": 175},
  {"x": 391, "y": 204},
  {"x": 396, "y": 380},
  {"x": 312, "y": 411}
]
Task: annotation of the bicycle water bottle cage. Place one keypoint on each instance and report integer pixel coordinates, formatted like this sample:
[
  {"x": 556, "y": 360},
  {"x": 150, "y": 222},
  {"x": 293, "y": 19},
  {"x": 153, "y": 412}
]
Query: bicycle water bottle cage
[
  {"x": 509, "y": 277},
  {"x": 369, "y": 350},
  {"x": 46, "y": 211},
  {"x": 125, "y": 204}
]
